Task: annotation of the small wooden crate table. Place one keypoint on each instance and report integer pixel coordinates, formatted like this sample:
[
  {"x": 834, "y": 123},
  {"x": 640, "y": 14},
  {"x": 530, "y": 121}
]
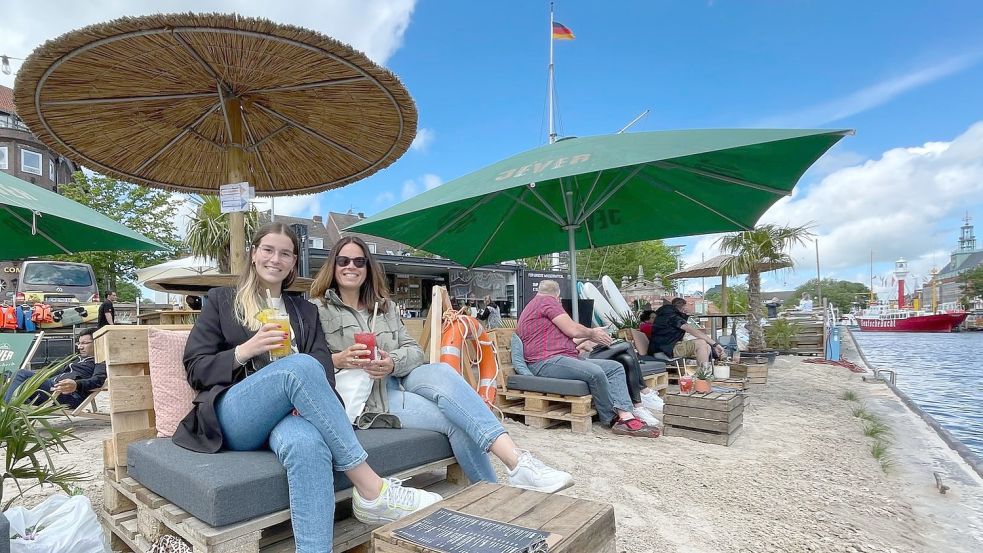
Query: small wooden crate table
[
  {"x": 714, "y": 418},
  {"x": 756, "y": 373},
  {"x": 581, "y": 526}
]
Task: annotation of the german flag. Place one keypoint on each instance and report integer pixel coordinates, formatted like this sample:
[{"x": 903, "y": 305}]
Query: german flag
[{"x": 560, "y": 32}]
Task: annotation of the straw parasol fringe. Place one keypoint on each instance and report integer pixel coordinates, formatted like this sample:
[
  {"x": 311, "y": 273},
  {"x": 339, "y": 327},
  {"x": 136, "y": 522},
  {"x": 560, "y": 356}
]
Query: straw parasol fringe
[{"x": 317, "y": 113}]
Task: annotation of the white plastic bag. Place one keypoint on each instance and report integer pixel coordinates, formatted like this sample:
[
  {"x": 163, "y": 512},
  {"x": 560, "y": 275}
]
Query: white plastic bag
[
  {"x": 354, "y": 386},
  {"x": 59, "y": 524}
]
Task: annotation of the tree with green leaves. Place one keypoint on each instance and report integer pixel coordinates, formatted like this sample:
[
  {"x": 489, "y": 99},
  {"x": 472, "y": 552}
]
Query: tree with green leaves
[
  {"x": 145, "y": 210},
  {"x": 618, "y": 261},
  {"x": 764, "y": 244},
  {"x": 127, "y": 291},
  {"x": 971, "y": 286},
  {"x": 736, "y": 298},
  {"x": 840, "y": 293},
  {"x": 208, "y": 230}
]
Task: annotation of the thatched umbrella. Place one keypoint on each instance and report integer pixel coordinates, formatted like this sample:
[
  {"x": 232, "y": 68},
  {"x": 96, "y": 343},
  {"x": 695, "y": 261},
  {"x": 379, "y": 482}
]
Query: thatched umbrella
[
  {"x": 189, "y": 102},
  {"x": 715, "y": 267}
]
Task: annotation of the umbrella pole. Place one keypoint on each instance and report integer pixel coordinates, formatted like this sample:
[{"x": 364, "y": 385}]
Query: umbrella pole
[
  {"x": 574, "y": 300},
  {"x": 723, "y": 293},
  {"x": 236, "y": 173}
]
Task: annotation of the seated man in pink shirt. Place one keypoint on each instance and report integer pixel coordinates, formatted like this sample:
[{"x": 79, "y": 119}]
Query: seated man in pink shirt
[{"x": 547, "y": 334}]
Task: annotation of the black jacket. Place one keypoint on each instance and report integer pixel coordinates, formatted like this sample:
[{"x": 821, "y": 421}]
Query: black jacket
[
  {"x": 211, "y": 366},
  {"x": 666, "y": 329},
  {"x": 87, "y": 374}
]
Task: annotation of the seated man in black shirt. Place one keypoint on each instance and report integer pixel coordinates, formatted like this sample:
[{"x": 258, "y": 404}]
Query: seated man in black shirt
[
  {"x": 671, "y": 324},
  {"x": 71, "y": 386}
]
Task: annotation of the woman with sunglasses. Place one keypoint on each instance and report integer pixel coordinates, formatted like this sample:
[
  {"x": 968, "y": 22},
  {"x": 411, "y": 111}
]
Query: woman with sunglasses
[
  {"x": 405, "y": 392},
  {"x": 248, "y": 399}
]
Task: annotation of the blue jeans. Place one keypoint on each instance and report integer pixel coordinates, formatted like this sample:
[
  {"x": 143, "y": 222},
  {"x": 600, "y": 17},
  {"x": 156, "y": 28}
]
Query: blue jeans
[
  {"x": 435, "y": 397},
  {"x": 604, "y": 377},
  {"x": 311, "y": 446},
  {"x": 72, "y": 400}
]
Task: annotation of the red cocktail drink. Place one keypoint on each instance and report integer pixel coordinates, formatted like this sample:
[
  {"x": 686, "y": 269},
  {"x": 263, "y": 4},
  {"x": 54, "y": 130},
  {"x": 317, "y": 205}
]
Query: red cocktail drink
[
  {"x": 368, "y": 340},
  {"x": 685, "y": 384}
]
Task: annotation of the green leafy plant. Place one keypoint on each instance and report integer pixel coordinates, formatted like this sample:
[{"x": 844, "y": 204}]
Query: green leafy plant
[
  {"x": 626, "y": 321},
  {"x": 849, "y": 395},
  {"x": 781, "y": 333},
  {"x": 28, "y": 436},
  {"x": 704, "y": 372}
]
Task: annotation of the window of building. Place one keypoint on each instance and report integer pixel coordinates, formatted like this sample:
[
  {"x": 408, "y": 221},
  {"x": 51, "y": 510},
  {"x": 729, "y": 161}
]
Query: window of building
[
  {"x": 30, "y": 162},
  {"x": 372, "y": 246},
  {"x": 51, "y": 169},
  {"x": 3, "y": 157},
  {"x": 317, "y": 243}
]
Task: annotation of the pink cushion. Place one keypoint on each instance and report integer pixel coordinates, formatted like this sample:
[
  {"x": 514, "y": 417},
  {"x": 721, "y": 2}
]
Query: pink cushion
[{"x": 172, "y": 395}]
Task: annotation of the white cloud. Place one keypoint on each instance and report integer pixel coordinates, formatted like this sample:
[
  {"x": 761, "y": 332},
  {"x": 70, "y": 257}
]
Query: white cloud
[
  {"x": 376, "y": 27},
  {"x": 431, "y": 181},
  {"x": 412, "y": 187},
  {"x": 304, "y": 207},
  {"x": 385, "y": 197},
  {"x": 424, "y": 138},
  {"x": 871, "y": 96}
]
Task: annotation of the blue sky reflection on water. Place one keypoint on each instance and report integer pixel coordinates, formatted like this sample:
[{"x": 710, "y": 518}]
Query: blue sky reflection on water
[{"x": 940, "y": 372}]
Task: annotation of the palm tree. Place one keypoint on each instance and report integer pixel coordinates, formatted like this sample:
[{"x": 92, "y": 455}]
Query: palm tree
[
  {"x": 751, "y": 249},
  {"x": 208, "y": 231}
]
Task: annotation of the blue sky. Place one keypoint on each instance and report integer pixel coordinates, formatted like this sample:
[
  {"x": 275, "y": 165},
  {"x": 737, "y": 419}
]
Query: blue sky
[{"x": 907, "y": 75}]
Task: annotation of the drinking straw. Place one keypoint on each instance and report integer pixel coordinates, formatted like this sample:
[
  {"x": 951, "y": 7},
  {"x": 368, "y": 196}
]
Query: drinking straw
[
  {"x": 269, "y": 299},
  {"x": 375, "y": 314}
]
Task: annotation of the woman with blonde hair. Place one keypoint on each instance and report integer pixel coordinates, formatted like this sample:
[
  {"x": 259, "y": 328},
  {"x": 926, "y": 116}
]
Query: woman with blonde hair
[
  {"x": 248, "y": 398},
  {"x": 400, "y": 390}
]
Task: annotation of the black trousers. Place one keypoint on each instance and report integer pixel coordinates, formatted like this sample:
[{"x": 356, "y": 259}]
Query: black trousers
[{"x": 623, "y": 353}]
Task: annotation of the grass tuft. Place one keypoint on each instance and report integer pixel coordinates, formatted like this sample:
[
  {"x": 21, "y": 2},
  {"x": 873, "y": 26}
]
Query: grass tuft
[
  {"x": 879, "y": 450},
  {"x": 860, "y": 412},
  {"x": 849, "y": 395},
  {"x": 875, "y": 428}
]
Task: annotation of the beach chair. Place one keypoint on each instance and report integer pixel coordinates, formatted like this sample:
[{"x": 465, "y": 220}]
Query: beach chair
[
  {"x": 641, "y": 343},
  {"x": 88, "y": 409}
]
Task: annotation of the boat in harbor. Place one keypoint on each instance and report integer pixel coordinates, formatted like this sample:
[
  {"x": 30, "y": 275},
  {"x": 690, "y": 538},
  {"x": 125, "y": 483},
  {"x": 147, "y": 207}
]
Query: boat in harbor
[{"x": 884, "y": 317}]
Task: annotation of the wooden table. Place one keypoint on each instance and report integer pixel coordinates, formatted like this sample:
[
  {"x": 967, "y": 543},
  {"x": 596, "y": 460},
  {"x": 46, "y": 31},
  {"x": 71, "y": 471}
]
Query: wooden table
[
  {"x": 582, "y": 525},
  {"x": 169, "y": 317}
]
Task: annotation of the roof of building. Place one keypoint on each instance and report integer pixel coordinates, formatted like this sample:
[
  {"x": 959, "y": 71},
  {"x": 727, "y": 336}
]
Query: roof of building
[
  {"x": 974, "y": 259},
  {"x": 337, "y": 222},
  {"x": 7, "y": 100},
  {"x": 315, "y": 228}
]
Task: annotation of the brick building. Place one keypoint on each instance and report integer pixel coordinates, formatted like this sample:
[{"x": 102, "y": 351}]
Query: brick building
[{"x": 23, "y": 156}]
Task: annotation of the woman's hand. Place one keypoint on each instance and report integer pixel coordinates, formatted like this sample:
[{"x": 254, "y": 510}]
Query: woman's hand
[
  {"x": 381, "y": 367},
  {"x": 268, "y": 338},
  {"x": 352, "y": 357}
]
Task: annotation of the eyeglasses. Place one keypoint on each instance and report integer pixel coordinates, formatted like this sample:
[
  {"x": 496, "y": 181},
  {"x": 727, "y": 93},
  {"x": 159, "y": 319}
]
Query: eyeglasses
[
  {"x": 344, "y": 260},
  {"x": 84, "y": 343},
  {"x": 267, "y": 251}
]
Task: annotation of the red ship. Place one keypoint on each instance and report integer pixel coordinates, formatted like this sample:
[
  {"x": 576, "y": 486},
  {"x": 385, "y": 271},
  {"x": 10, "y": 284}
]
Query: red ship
[{"x": 884, "y": 318}]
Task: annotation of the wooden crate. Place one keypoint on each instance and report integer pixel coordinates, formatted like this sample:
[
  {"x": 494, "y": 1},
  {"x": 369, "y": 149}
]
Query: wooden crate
[
  {"x": 732, "y": 383},
  {"x": 577, "y": 525},
  {"x": 541, "y": 410},
  {"x": 658, "y": 382},
  {"x": 714, "y": 418},
  {"x": 756, "y": 373}
]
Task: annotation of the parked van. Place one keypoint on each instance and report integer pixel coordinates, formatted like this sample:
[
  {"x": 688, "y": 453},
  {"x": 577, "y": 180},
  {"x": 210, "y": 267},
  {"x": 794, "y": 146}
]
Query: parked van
[{"x": 51, "y": 282}]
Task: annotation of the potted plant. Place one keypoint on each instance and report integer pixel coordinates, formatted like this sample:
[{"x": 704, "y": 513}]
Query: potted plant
[
  {"x": 760, "y": 249},
  {"x": 704, "y": 378},
  {"x": 781, "y": 333},
  {"x": 28, "y": 435}
]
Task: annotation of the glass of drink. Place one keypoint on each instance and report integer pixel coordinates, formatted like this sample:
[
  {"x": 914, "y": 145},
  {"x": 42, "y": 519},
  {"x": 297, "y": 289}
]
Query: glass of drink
[
  {"x": 368, "y": 340},
  {"x": 685, "y": 384},
  {"x": 283, "y": 322}
]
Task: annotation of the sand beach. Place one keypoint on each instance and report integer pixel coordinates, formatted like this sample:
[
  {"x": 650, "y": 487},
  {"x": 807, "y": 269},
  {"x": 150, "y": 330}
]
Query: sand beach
[{"x": 799, "y": 478}]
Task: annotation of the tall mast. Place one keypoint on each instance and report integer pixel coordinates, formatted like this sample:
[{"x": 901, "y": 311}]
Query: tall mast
[{"x": 552, "y": 135}]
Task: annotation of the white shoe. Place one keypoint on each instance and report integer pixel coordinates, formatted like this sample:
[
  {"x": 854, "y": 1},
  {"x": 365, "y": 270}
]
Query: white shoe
[
  {"x": 652, "y": 401},
  {"x": 394, "y": 503},
  {"x": 532, "y": 474},
  {"x": 646, "y": 416}
]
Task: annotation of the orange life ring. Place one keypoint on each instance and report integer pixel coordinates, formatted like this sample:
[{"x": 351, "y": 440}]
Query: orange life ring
[{"x": 458, "y": 329}]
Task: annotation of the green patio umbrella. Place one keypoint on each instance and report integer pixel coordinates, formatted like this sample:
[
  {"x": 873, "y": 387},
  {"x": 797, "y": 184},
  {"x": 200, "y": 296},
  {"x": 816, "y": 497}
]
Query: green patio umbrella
[
  {"x": 587, "y": 192},
  {"x": 34, "y": 221}
]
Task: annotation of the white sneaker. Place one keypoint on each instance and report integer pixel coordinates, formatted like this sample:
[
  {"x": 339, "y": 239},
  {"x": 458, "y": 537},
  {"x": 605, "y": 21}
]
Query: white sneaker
[
  {"x": 394, "y": 503},
  {"x": 646, "y": 416},
  {"x": 652, "y": 401},
  {"x": 532, "y": 474}
]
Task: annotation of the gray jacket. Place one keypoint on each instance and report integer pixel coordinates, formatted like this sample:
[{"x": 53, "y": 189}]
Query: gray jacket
[{"x": 340, "y": 323}]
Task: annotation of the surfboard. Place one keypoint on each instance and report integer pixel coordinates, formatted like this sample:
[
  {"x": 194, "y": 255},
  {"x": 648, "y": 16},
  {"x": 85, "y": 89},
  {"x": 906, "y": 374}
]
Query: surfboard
[
  {"x": 603, "y": 312},
  {"x": 70, "y": 316},
  {"x": 617, "y": 300}
]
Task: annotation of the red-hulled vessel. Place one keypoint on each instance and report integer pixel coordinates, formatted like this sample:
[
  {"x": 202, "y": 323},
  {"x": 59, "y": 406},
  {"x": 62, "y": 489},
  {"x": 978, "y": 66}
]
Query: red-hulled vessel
[{"x": 884, "y": 318}]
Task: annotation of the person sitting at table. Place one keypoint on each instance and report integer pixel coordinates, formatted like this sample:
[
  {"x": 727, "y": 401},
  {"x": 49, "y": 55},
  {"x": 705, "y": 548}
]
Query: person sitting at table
[
  {"x": 403, "y": 390},
  {"x": 805, "y": 304},
  {"x": 671, "y": 325},
  {"x": 548, "y": 333}
]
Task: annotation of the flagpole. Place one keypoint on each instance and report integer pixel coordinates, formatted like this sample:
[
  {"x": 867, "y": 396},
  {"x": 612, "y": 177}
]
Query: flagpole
[{"x": 552, "y": 135}]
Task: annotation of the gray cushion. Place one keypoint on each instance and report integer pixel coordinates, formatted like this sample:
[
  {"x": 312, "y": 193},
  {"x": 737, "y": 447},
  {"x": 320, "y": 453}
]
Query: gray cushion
[
  {"x": 545, "y": 385},
  {"x": 233, "y": 486},
  {"x": 518, "y": 357},
  {"x": 652, "y": 367}
]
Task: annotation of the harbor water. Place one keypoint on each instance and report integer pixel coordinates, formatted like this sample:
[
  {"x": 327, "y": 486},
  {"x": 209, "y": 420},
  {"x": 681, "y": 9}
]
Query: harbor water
[{"x": 942, "y": 373}]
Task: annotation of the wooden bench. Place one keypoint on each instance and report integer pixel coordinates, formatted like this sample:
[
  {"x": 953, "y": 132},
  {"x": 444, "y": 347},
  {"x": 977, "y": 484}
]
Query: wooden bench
[{"x": 135, "y": 516}]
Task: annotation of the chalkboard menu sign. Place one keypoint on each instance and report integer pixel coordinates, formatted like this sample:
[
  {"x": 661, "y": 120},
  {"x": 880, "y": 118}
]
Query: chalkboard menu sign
[{"x": 450, "y": 531}]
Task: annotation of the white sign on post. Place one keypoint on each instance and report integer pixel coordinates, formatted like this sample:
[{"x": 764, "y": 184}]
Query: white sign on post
[{"x": 235, "y": 197}]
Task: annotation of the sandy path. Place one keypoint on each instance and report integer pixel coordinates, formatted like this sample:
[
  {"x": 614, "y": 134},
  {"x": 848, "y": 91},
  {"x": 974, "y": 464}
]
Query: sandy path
[{"x": 799, "y": 478}]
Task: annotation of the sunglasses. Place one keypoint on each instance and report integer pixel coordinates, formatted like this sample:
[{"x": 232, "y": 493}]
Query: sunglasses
[{"x": 344, "y": 260}]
